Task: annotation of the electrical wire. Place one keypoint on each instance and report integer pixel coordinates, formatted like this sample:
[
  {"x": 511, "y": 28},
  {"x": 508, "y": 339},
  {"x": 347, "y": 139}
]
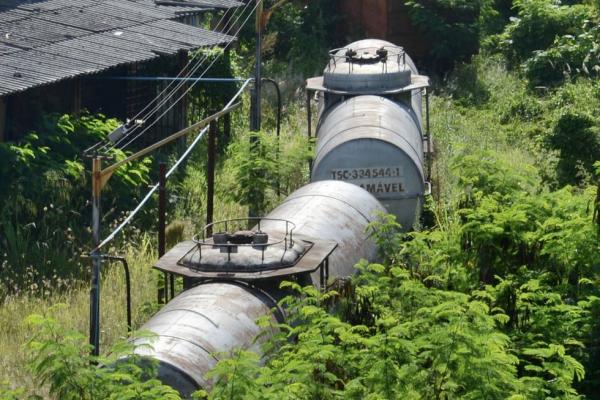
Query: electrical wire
[
  {"x": 190, "y": 72},
  {"x": 179, "y": 75},
  {"x": 181, "y": 83},
  {"x": 160, "y": 100},
  {"x": 170, "y": 172},
  {"x": 190, "y": 87},
  {"x": 107, "y": 146}
]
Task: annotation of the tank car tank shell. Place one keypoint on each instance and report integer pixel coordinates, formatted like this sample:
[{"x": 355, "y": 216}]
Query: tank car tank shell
[
  {"x": 218, "y": 317},
  {"x": 376, "y": 144},
  {"x": 335, "y": 211},
  {"x": 197, "y": 325}
]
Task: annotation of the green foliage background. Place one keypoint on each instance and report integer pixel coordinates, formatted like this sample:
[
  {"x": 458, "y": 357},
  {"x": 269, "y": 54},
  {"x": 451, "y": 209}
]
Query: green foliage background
[{"x": 497, "y": 297}]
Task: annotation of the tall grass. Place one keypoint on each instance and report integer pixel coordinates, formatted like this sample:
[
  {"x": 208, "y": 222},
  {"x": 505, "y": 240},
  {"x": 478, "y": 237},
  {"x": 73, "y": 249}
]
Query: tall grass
[
  {"x": 468, "y": 115},
  {"x": 14, "y": 335},
  {"x": 187, "y": 213}
]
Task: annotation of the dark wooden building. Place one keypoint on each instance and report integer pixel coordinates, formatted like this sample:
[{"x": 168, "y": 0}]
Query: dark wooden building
[
  {"x": 67, "y": 55},
  {"x": 382, "y": 19}
]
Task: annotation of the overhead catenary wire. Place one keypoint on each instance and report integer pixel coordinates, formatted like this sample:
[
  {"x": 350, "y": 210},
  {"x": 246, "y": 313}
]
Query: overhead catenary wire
[
  {"x": 160, "y": 100},
  {"x": 180, "y": 83},
  {"x": 190, "y": 87},
  {"x": 147, "y": 128},
  {"x": 190, "y": 72},
  {"x": 195, "y": 55},
  {"x": 170, "y": 172}
]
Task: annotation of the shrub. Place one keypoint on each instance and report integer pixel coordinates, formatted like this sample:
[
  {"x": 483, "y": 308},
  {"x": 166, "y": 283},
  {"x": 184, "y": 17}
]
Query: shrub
[
  {"x": 568, "y": 57},
  {"x": 262, "y": 166},
  {"x": 60, "y": 358},
  {"x": 44, "y": 200},
  {"x": 538, "y": 24},
  {"x": 301, "y": 33},
  {"x": 452, "y": 26},
  {"x": 576, "y": 136}
]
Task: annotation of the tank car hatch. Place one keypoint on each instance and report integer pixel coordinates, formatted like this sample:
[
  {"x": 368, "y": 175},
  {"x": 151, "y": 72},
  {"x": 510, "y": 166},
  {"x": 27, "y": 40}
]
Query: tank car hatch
[
  {"x": 368, "y": 67},
  {"x": 244, "y": 250},
  {"x": 246, "y": 254}
]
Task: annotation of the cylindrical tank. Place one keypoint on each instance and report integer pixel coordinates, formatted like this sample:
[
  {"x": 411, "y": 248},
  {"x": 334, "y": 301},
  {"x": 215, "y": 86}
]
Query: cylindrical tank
[
  {"x": 197, "y": 325},
  {"x": 415, "y": 96},
  {"x": 373, "y": 78},
  {"x": 374, "y": 143},
  {"x": 221, "y": 316},
  {"x": 334, "y": 211}
]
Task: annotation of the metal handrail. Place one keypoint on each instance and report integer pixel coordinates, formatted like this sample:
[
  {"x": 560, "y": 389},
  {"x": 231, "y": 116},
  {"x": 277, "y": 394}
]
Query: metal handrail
[
  {"x": 288, "y": 231},
  {"x": 231, "y": 247},
  {"x": 399, "y": 52}
]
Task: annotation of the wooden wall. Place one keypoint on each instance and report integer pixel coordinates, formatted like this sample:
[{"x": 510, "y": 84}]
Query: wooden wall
[{"x": 2, "y": 119}]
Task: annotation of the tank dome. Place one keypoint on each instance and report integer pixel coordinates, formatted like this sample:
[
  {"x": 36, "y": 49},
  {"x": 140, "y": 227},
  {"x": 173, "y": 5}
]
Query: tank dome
[{"x": 368, "y": 66}]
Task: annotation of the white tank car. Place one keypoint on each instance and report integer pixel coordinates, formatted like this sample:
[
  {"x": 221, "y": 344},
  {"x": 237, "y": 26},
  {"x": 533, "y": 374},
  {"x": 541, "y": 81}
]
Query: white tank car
[
  {"x": 370, "y": 125},
  {"x": 369, "y": 159}
]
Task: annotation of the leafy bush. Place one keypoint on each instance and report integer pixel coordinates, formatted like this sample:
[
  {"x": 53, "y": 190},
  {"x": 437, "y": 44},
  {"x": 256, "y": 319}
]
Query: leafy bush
[
  {"x": 262, "y": 165},
  {"x": 502, "y": 294},
  {"x": 576, "y": 136},
  {"x": 538, "y": 24},
  {"x": 300, "y": 34},
  {"x": 44, "y": 200},
  {"x": 60, "y": 359},
  {"x": 452, "y": 26},
  {"x": 568, "y": 57},
  {"x": 419, "y": 346}
]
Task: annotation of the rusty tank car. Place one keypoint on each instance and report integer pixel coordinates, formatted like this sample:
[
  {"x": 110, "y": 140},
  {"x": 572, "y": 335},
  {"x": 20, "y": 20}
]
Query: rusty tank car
[{"x": 369, "y": 160}]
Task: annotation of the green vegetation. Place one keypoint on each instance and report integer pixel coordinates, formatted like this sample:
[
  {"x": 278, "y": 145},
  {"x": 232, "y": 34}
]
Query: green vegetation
[
  {"x": 497, "y": 297},
  {"x": 452, "y": 27},
  {"x": 15, "y": 334},
  {"x": 44, "y": 211}
]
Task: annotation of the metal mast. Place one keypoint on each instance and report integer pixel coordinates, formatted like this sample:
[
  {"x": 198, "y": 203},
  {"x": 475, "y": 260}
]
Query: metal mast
[
  {"x": 100, "y": 178},
  {"x": 255, "y": 122},
  {"x": 255, "y": 109}
]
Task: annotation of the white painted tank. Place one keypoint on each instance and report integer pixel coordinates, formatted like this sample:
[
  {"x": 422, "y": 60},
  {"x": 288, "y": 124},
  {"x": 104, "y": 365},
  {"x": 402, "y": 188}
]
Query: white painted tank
[
  {"x": 374, "y": 143},
  {"x": 333, "y": 211},
  {"x": 218, "y": 317}
]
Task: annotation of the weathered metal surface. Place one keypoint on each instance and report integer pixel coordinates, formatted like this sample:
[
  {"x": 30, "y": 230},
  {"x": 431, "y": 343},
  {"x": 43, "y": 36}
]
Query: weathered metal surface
[
  {"x": 194, "y": 5},
  {"x": 374, "y": 143},
  {"x": 343, "y": 79},
  {"x": 418, "y": 82},
  {"x": 198, "y": 325},
  {"x": 374, "y": 44},
  {"x": 243, "y": 258},
  {"x": 213, "y": 318},
  {"x": 309, "y": 262},
  {"x": 415, "y": 99},
  {"x": 51, "y": 40},
  {"x": 358, "y": 68},
  {"x": 333, "y": 211}
]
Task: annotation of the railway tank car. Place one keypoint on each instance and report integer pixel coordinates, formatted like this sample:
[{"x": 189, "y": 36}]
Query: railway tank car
[
  {"x": 318, "y": 232},
  {"x": 369, "y": 123}
]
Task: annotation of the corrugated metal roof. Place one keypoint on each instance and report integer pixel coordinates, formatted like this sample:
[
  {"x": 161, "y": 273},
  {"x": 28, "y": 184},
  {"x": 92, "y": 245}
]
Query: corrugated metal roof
[
  {"x": 201, "y": 3},
  {"x": 191, "y": 6},
  {"x": 42, "y": 42}
]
